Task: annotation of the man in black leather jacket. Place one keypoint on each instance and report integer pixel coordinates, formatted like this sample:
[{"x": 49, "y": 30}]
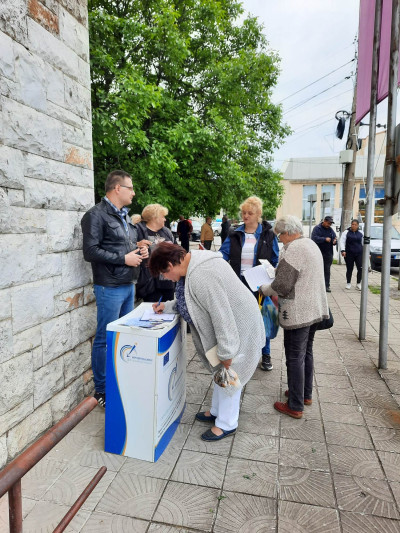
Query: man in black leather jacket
[{"x": 110, "y": 245}]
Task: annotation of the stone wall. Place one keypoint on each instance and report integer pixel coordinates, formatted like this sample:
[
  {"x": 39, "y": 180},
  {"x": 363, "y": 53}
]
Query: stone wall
[{"x": 47, "y": 310}]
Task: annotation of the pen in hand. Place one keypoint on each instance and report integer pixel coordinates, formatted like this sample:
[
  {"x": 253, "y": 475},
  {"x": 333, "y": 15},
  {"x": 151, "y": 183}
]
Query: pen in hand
[{"x": 157, "y": 305}]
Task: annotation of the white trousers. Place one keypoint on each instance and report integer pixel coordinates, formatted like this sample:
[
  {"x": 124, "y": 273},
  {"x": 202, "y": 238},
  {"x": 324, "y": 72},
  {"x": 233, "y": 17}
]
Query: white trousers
[{"x": 225, "y": 408}]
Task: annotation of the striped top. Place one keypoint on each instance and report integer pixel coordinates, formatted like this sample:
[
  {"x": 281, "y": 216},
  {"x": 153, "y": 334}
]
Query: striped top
[{"x": 248, "y": 252}]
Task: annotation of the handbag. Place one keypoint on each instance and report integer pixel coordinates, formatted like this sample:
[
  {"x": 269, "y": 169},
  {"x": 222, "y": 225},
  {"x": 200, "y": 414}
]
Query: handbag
[
  {"x": 326, "y": 323},
  {"x": 270, "y": 316}
]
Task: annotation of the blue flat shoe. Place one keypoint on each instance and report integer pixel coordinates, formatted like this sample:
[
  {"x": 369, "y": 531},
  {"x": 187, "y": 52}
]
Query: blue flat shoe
[
  {"x": 203, "y": 418},
  {"x": 210, "y": 436}
]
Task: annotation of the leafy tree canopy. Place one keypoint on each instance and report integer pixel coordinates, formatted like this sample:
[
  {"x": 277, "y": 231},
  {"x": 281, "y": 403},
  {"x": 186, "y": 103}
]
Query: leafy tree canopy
[{"x": 181, "y": 96}]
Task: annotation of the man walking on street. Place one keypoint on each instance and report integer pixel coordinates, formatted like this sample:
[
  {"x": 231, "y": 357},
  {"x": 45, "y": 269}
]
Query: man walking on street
[
  {"x": 184, "y": 230},
  {"x": 324, "y": 236},
  {"x": 110, "y": 245},
  {"x": 207, "y": 234}
]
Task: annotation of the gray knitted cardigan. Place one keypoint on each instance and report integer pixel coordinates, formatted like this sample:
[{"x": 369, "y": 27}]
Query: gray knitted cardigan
[
  {"x": 224, "y": 312},
  {"x": 300, "y": 285}
]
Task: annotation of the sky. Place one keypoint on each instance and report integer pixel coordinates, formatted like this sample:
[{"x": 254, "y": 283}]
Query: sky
[{"x": 313, "y": 38}]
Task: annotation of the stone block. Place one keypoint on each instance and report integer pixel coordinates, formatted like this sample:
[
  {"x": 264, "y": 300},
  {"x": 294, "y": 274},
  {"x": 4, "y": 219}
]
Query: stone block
[
  {"x": 3, "y": 450},
  {"x": 9, "y": 89},
  {"x": 43, "y": 16},
  {"x": 41, "y": 168},
  {"x": 48, "y": 265},
  {"x": 68, "y": 301},
  {"x": 48, "y": 380},
  {"x": 88, "y": 180},
  {"x": 74, "y": 35},
  {"x": 16, "y": 381},
  {"x": 28, "y": 339},
  {"x": 6, "y": 341},
  {"x": 66, "y": 400},
  {"x": 42, "y": 194},
  {"x": 29, "y": 130},
  {"x": 18, "y": 258},
  {"x": 55, "y": 85},
  {"x": 51, "y": 49},
  {"x": 5, "y": 220},
  {"x": 11, "y": 167},
  {"x": 14, "y": 416},
  {"x": 16, "y": 197},
  {"x": 7, "y": 56},
  {"x": 57, "y": 337},
  {"x": 78, "y": 9},
  {"x": 87, "y": 134},
  {"x": 5, "y": 304},
  {"x": 53, "y": 5},
  {"x": 13, "y": 19},
  {"x": 88, "y": 295},
  {"x": 84, "y": 72},
  {"x": 31, "y": 80},
  {"x": 57, "y": 284},
  {"x": 88, "y": 387},
  {"x": 74, "y": 155},
  {"x": 73, "y": 135},
  {"x": 29, "y": 429},
  {"x": 77, "y": 98},
  {"x": 77, "y": 361},
  {"x": 79, "y": 198},
  {"x": 32, "y": 304},
  {"x": 83, "y": 323},
  {"x": 37, "y": 356},
  {"x": 26, "y": 220},
  {"x": 76, "y": 272},
  {"x": 63, "y": 230},
  {"x": 62, "y": 114}
]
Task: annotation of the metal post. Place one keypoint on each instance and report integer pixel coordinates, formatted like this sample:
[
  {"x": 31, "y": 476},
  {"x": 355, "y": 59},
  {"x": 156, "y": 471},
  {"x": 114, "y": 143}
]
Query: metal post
[
  {"x": 15, "y": 507},
  {"x": 390, "y": 169},
  {"x": 369, "y": 206}
]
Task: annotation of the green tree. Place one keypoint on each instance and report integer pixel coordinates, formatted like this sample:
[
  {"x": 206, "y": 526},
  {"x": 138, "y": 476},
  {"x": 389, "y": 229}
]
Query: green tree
[{"x": 181, "y": 96}]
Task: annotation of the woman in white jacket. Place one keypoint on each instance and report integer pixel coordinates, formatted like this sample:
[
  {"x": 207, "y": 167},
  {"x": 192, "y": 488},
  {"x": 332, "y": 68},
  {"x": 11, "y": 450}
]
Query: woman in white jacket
[
  {"x": 222, "y": 312},
  {"x": 351, "y": 246}
]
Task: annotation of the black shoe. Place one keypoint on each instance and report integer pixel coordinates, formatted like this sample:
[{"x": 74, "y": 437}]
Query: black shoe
[
  {"x": 328, "y": 289},
  {"x": 101, "y": 398},
  {"x": 266, "y": 362}
]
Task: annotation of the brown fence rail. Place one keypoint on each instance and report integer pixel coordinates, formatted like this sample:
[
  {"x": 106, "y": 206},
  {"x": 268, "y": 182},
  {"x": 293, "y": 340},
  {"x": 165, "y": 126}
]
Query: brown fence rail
[{"x": 11, "y": 475}]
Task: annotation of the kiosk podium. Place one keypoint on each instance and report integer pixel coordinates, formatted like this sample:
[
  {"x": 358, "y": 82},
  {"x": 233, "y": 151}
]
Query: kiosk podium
[{"x": 145, "y": 386}]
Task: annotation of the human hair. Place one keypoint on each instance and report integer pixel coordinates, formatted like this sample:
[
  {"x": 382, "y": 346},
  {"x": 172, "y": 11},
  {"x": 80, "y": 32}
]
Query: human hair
[
  {"x": 163, "y": 254},
  {"x": 255, "y": 203},
  {"x": 355, "y": 220},
  {"x": 208, "y": 218},
  {"x": 288, "y": 224},
  {"x": 136, "y": 218},
  {"x": 153, "y": 211},
  {"x": 114, "y": 178}
]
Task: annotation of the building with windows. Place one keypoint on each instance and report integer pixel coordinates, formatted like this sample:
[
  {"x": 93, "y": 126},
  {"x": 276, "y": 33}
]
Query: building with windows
[{"x": 322, "y": 177}]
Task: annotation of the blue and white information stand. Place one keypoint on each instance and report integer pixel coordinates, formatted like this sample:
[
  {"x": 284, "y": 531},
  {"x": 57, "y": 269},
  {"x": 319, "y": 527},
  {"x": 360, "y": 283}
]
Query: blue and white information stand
[{"x": 145, "y": 386}]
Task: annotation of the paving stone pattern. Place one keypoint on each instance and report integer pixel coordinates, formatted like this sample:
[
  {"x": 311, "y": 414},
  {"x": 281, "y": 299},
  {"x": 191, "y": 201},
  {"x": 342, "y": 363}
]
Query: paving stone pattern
[{"x": 337, "y": 470}]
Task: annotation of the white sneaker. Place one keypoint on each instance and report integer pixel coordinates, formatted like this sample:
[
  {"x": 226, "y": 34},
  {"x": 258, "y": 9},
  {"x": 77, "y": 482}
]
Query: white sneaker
[
  {"x": 358, "y": 286},
  {"x": 348, "y": 285}
]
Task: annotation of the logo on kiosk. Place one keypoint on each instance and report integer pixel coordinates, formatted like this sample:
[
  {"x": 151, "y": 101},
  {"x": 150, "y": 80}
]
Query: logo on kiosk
[
  {"x": 128, "y": 353},
  {"x": 172, "y": 383}
]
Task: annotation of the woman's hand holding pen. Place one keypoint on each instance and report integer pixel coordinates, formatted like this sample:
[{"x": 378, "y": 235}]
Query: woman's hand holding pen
[{"x": 159, "y": 306}]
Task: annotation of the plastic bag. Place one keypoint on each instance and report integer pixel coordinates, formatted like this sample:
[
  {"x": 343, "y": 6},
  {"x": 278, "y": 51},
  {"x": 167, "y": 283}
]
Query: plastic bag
[
  {"x": 270, "y": 315},
  {"x": 228, "y": 379}
]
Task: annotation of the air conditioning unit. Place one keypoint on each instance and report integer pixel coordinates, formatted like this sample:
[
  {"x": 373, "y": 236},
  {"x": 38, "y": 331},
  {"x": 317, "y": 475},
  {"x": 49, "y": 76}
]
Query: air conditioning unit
[{"x": 346, "y": 156}]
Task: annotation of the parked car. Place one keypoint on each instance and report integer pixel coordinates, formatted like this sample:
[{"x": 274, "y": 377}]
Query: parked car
[
  {"x": 195, "y": 235},
  {"x": 216, "y": 226},
  {"x": 375, "y": 248}
]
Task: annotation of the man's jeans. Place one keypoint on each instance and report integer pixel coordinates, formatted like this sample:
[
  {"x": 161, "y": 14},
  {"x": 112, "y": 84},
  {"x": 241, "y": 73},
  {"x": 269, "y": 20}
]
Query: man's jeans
[
  {"x": 328, "y": 259},
  {"x": 300, "y": 364},
  {"x": 112, "y": 303}
]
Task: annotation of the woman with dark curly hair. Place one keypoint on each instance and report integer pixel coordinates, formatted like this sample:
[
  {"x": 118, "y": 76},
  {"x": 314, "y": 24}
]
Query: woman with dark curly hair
[{"x": 222, "y": 313}]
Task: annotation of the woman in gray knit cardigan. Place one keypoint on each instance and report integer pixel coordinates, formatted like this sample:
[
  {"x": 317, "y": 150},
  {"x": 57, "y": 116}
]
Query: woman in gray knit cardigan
[
  {"x": 300, "y": 285},
  {"x": 222, "y": 312}
]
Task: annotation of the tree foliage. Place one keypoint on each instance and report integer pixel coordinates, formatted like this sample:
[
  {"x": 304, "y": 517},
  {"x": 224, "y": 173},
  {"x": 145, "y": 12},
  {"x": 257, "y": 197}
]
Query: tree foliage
[{"x": 181, "y": 96}]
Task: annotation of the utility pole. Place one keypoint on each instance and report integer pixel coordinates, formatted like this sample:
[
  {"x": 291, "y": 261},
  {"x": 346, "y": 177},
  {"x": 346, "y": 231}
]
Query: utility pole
[{"x": 349, "y": 174}]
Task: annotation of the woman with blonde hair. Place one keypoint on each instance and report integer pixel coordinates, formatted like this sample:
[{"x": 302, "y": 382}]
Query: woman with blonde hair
[
  {"x": 152, "y": 229},
  {"x": 248, "y": 243}
]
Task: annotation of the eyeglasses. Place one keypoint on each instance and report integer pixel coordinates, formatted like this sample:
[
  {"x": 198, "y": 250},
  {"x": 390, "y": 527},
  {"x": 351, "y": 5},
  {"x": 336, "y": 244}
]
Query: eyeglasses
[{"x": 127, "y": 187}]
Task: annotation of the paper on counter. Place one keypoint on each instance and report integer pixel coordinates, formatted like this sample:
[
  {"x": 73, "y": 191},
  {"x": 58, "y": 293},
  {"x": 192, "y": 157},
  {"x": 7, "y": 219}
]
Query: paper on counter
[
  {"x": 151, "y": 315},
  {"x": 256, "y": 277}
]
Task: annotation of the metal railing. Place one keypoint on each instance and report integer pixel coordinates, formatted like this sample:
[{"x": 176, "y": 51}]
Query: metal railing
[{"x": 11, "y": 475}]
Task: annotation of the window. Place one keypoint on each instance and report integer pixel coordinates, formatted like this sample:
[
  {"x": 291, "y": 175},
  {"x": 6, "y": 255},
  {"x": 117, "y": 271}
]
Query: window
[
  {"x": 307, "y": 190},
  {"x": 378, "y": 209}
]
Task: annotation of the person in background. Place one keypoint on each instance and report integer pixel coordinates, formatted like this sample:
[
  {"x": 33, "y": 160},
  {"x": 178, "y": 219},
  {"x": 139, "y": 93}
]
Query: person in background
[
  {"x": 222, "y": 314},
  {"x": 184, "y": 229},
  {"x": 325, "y": 238},
  {"x": 111, "y": 245},
  {"x": 225, "y": 228},
  {"x": 351, "y": 245},
  {"x": 153, "y": 229},
  {"x": 300, "y": 285},
  {"x": 248, "y": 243},
  {"x": 207, "y": 234}
]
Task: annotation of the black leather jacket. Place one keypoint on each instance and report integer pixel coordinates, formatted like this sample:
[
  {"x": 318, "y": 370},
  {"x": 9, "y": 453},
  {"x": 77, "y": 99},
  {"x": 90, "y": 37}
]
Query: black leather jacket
[{"x": 105, "y": 244}]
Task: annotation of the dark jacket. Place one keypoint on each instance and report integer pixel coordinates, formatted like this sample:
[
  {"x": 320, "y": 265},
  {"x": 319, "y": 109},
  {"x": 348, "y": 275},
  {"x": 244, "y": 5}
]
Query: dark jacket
[
  {"x": 232, "y": 246},
  {"x": 225, "y": 230},
  {"x": 354, "y": 242},
  {"x": 105, "y": 244},
  {"x": 319, "y": 235}
]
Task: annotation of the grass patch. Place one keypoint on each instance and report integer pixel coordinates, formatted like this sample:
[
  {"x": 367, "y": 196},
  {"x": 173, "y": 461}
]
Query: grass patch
[
  {"x": 374, "y": 289},
  {"x": 335, "y": 262}
]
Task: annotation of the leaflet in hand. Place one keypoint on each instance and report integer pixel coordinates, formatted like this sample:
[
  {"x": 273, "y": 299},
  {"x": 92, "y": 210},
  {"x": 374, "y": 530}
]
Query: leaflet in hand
[
  {"x": 256, "y": 277},
  {"x": 157, "y": 317}
]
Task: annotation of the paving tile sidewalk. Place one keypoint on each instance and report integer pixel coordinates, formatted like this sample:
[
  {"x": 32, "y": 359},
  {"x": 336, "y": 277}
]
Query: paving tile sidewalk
[{"x": 337, "y": 470}]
